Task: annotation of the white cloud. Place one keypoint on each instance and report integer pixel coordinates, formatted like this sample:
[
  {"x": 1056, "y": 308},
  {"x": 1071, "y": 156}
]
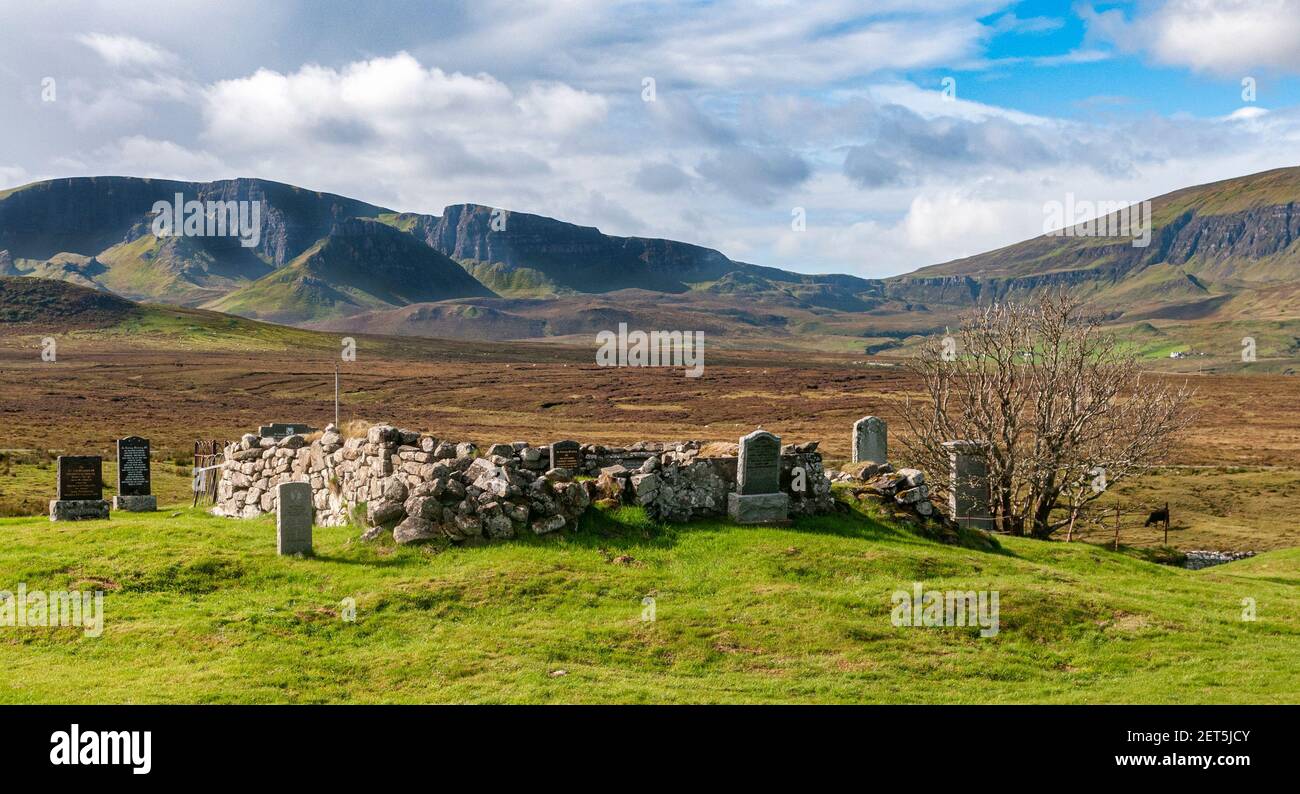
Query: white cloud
[
  {"x": 121, "y": 50},
  {"x": 389, "y": 101},
  {"x": 138, "y": 155},
  {"x": 561, "y": 109},
  {"x": 1226, "y": 37},
  {"x": 13, "y": 176}
]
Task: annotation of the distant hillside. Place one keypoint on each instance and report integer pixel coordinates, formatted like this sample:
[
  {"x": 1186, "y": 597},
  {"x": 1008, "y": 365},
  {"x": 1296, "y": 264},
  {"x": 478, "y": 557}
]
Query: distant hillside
[
  {"x": 1226, "y": 249},
  {"x": 579, "y": 316},
  {"x": 360, "y": 265},
  {"x": 565, "y": 256},
  {"x": 59, "y": 304},
  {"x": 52, "y": 229}
]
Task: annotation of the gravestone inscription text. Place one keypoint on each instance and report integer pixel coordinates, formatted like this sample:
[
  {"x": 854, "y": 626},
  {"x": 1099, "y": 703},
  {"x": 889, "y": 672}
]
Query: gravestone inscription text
[
  {"x": 133, "y": 466},
  {"x": 81, "y": 477}
]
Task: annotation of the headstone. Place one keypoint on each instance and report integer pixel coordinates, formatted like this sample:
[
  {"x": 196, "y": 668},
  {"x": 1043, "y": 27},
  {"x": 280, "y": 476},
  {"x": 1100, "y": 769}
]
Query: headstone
[
  {"x": 758, "y": 498},
  {"x": 284, "y": 430},
  {"x": 566, "y": 455},
  {"x": 968, "y": 498},
  {"x": 133, "y": 483},
  {"x": 80, "y": 489},
  {"x": 293, "y": 517},
  {"x": 870, "y": 440}
]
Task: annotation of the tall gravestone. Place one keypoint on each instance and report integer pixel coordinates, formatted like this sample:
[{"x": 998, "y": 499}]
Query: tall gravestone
[
  {"x": 968, "y": 498},
  {"x": 293, "y": 518},
  {"x": 758, "y": 498},
  {"x": 134, "y": 487},
  {"x": 566, "y": 455},
  {"x": 870, "y": 440},
  {"x": 80, "y": 489}
]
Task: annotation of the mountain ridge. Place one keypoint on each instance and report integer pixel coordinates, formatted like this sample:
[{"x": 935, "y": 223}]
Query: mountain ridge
[{"x": 1227, "y": 249}]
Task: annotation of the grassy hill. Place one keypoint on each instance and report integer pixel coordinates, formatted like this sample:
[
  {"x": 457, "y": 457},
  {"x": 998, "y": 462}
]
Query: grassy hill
[
  {"x": 200, "y": 609},
  {"x": 361, "y": 265},
  {"x": 1224, "y": 250}
]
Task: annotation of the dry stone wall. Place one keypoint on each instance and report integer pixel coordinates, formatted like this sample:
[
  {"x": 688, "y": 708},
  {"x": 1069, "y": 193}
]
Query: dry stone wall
[
  {"x": 421, "y": 487},
  {"x": 692, "y": 480}
]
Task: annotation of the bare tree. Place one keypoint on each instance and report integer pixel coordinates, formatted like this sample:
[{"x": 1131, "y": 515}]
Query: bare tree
[{"x": 1064, "y": 409}]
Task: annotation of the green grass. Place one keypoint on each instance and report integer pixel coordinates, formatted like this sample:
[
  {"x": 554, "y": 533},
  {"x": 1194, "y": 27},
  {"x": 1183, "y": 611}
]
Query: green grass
[
  {"x": 200, "y": 609},
  {"x": 515, "y": 282}
]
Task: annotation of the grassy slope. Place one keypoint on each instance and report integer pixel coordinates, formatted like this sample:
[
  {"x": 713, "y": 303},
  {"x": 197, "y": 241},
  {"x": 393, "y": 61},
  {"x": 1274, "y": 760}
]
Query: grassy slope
[{"x": 200, "y": 609}]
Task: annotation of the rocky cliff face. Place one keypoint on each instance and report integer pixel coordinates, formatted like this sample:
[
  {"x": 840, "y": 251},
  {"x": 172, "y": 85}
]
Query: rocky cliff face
[
  {"x": 1208, "y": 244},
  {"x": 87, "y": 215},
  {"x": 573, "y": 257}
]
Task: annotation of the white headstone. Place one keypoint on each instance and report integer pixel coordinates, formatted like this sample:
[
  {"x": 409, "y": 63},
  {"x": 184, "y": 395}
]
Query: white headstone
[
  {"x": 870, "y": 440},
  {"x": 968, "y": 498}
]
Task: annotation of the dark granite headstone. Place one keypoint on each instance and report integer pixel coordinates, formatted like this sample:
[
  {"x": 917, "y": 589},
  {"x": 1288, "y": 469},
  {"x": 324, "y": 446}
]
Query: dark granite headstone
[
  {"x": 81, "y": 489},
  {"x": 81, "y": 478},
  {"x": 133, "y": 466},
  {"x": 566, "y": 455}
]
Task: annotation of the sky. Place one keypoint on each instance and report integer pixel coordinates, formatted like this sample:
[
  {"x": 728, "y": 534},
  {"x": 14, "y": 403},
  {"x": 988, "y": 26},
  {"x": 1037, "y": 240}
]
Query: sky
[{"x": 857, "y": 137}]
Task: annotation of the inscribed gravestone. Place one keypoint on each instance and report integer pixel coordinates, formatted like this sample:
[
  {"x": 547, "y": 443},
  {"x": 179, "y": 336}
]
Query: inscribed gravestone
[
  {"x": 133, "y": 466},
  {"x": 293, "y": 517},
  {"x": 758, "y": 468},
  {"x": 81, "y": 477},
  {"x": 870, "y": 440},
  {"x": 134, "y": 486},
  {"x": 758, "y": 498},
  {"x": 80, "y": 489},
  {"x": 566, "y": 455}
]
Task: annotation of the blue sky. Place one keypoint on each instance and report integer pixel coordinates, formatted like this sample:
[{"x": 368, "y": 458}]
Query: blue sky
[{"x": 762, "y": 110}]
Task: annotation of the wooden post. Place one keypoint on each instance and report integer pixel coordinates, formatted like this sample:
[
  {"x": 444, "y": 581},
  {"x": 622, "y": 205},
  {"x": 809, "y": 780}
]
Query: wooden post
[
  {"x": 1166, "y": 523},
  {"x": 1116, "y": 527},
  {"x": 194, "y": 473},
  {"x": 213, "y": 480}
]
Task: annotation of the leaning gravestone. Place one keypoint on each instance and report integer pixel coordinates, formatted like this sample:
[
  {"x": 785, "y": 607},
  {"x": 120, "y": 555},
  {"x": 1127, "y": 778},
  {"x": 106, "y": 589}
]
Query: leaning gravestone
[
  {"x": 81, "y": 489},
  {"x": 968, "y": 498},
  {"x": 566, "y": 455},
  {"x": 133, "y": 482},
  {"x": 870, "y": 440},
  {"x": 758, "y": 498},
  {"x": 293, "y": 517}
]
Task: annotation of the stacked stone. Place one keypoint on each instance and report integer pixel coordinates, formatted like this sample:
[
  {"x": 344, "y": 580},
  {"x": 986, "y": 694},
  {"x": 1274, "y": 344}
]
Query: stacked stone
[
  {"x": 1197, "y": 559},
  {"x": 905, "y": 491},
  {"x": 906, "y": 487},
  {"x": 816, "y": 498},
  {"x": 677, "y": 486},
  {"x": 680, "y": 483},
  {"x": 468, "y": 497},
  {"x": 254, "y": 467},
  {"x": 418, "y": 485},
  {"x": 421, "y": 487}
]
